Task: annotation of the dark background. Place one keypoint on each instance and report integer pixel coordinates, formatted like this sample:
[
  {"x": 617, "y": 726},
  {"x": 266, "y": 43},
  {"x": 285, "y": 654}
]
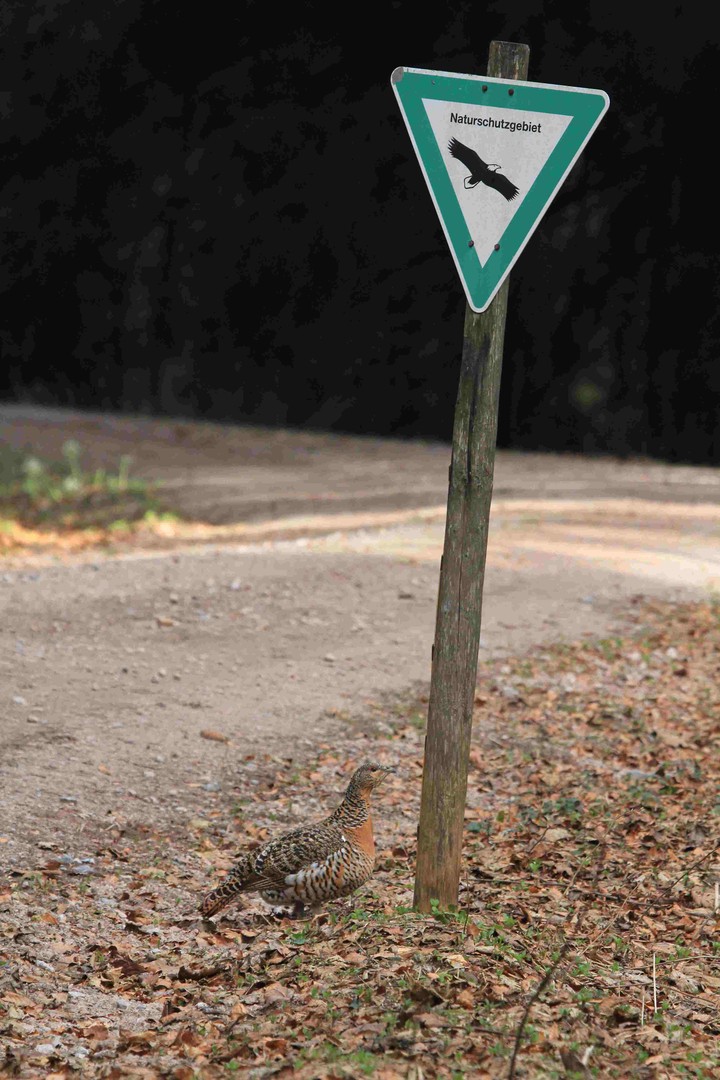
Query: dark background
[{"x": 217, "y": 212}]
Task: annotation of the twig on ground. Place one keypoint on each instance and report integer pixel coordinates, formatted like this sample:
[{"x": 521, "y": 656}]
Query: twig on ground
[
  {"x": 203, "y": 974},
  {"x": 690, "y": 868},
  {"x": 654, "y": 986},
  {"x": 537, "y": 840},
  {"x": 556, "y": 964}
]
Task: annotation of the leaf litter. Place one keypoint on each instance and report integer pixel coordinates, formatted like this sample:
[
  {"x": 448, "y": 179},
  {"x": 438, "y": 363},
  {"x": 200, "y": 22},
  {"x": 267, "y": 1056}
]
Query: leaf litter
[{"x": 585, "y": 943}]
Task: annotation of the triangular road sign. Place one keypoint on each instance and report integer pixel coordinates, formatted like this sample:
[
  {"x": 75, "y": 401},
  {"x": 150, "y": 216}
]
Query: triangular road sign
[{"x": 494, "y": 153}]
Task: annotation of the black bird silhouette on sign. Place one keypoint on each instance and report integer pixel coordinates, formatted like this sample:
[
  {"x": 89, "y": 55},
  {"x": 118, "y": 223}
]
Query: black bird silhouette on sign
[{"x": 480, "y": 172}]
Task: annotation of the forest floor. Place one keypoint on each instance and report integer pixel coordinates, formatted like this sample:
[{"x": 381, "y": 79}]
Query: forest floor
[
  {"x": 210, "y": 666},
  {"x": 586, "y": 941}
]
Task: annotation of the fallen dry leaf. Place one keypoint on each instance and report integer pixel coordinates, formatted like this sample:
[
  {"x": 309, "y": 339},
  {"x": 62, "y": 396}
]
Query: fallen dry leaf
[{"x": 214, "y": 736}]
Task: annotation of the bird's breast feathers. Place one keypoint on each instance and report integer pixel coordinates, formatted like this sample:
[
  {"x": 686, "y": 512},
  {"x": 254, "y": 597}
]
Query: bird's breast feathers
[{"x": 362, "y": 837}]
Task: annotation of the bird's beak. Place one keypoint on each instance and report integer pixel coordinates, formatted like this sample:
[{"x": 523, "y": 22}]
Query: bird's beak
[{"x": 390, "y": 769}]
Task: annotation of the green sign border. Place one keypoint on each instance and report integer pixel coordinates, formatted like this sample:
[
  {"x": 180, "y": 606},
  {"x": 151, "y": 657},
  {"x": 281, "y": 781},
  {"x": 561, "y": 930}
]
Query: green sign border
[{"x": 585, "y": 107}]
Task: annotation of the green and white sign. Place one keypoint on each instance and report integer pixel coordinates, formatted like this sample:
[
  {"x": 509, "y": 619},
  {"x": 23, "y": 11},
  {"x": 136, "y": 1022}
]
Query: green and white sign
[{"x": 494, "y": 153}]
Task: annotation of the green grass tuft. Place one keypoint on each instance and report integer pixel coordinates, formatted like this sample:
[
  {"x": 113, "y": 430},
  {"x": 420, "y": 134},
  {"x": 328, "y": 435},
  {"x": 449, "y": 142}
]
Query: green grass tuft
[{"x": 39, "y": 493}]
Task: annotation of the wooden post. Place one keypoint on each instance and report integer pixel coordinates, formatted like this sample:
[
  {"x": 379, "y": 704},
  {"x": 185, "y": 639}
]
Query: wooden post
[{"x": 462, "y": 572}]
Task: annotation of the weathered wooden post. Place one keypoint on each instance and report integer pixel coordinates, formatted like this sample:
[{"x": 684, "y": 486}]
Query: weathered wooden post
[
  {"x": 494, "y": 151},
  {"x": 462, "y": 574}
]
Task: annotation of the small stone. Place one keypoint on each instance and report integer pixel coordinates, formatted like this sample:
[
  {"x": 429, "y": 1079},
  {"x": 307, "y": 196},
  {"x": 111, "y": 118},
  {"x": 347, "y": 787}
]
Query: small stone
[
  {"x": 32, "y": 720},
  {"x": 174, "y": 598},
  {"x": 148, "y": 774},
  {"x": 18, "y": 700},
  {"x": 329, "y": 658},
  {"x": 236, "y": 584},
  {"x": 68, "y": 798},
  {"x": 405, "y": 594},
  {"x": 82, "y": 869}
]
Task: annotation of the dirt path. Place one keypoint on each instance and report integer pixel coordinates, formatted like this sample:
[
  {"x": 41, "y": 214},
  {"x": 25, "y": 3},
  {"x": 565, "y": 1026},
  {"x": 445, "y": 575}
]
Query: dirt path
[
  {"x": 221, "y": 474},
  {"x": 112, "y": 668}
]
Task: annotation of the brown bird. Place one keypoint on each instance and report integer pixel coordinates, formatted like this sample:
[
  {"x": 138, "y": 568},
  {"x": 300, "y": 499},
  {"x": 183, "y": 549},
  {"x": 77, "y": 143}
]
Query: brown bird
[{"x": 314, "y": 863}]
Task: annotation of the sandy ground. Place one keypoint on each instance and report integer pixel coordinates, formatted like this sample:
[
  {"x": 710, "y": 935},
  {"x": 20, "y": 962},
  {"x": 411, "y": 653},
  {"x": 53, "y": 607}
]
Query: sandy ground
[{"x": 112, "y": 668}]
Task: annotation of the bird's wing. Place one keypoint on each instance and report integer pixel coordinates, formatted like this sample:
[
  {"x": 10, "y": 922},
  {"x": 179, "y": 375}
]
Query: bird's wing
[
  {"x": 468, "y": 157},
  {"x": 502, "y": 184},
  {"x": 269, "y": 865}
]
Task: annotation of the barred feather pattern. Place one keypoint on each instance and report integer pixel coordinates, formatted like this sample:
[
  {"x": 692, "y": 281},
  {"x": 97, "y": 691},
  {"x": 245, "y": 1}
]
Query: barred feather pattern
[{"x": 313, "y": 863}]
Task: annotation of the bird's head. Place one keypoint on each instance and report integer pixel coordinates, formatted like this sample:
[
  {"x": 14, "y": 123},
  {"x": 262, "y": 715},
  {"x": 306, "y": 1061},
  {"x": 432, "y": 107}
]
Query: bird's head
[{"x": 369, "y": 776}]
